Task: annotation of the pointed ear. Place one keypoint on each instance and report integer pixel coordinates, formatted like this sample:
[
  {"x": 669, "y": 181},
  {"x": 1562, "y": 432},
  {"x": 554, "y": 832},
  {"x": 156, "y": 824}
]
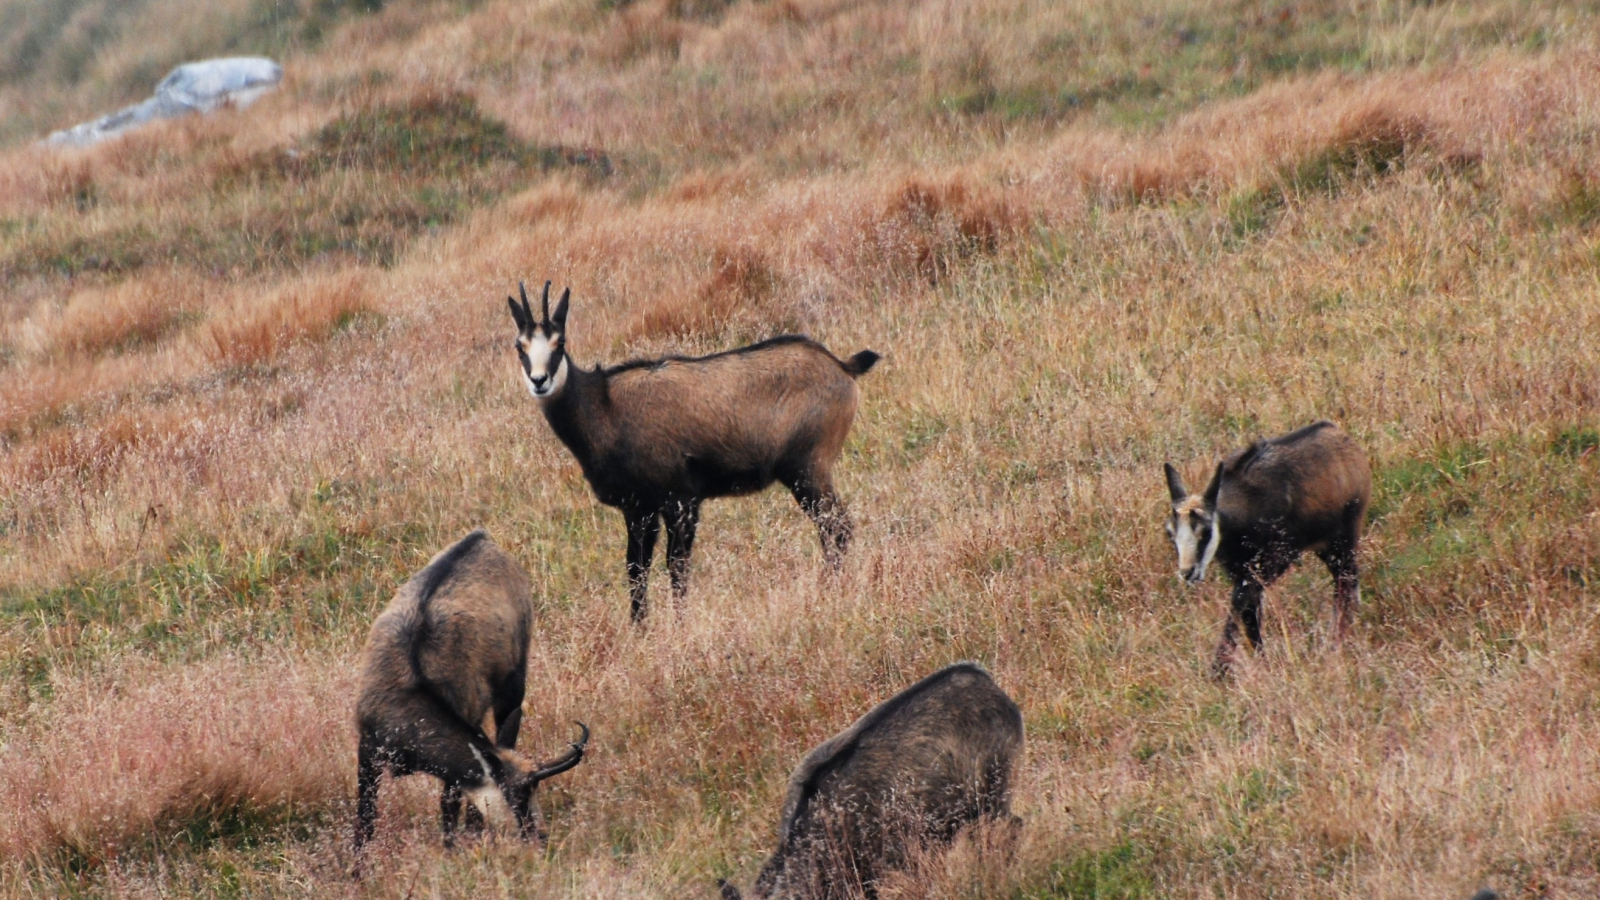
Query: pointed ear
[
  {"x": 1175, "y": 484},
  {"x": 544, "y": 303},
  {"x": 1215, "y": 487},
  {"x": 560, "y": 318},
  {"x": 516, "y": 314},
  {"x": 727, "y": 891}
]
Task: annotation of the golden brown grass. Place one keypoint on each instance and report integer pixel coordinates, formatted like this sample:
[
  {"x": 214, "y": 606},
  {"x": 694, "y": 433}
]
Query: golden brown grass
[{"x": 1089, "y": 238}]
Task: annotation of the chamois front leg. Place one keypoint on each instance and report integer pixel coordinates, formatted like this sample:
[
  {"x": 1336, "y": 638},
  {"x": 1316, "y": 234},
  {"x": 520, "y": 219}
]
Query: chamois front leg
[
  {"x": 1246, "y": 602},
  {"x": 643, "y": 527},
  {"x": 683, "y": 518},
  {"x": 1222, "y": 663},
  {"x": 449, "y": 812},
  {"x": 1245, "y": 613}
]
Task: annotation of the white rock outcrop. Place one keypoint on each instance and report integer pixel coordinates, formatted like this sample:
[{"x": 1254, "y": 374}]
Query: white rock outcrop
[{"x": 197, "y": 87}]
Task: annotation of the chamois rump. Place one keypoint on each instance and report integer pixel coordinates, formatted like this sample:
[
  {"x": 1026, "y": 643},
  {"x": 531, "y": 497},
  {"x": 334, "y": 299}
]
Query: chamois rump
[
  {"x": 657, "y": 437},
  {"x": 1266, "y": 505},
  {"x": 916, "y": 769},
  {"x": 450, "y": 649}
]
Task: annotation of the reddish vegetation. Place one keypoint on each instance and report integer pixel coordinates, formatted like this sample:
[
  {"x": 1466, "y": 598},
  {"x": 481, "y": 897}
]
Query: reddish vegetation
[{"x": 223, "y": 444}]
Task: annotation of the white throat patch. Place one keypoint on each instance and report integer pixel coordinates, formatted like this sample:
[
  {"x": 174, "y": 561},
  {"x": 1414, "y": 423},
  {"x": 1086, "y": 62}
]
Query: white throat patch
[{"x": 1211, "y": 549}]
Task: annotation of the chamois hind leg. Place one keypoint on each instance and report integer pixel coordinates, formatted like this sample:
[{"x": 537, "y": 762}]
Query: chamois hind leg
[
  {"x": 508, "y": 708},
  {"x": 683, "y": 517},
  {"x": 1340, "y": 558},
  {"x": 1341, "y": 562},
  {"x": 815, "y": 494},
  {"x": 368, "y": 771},
  {"x": 643, "y": 527}
]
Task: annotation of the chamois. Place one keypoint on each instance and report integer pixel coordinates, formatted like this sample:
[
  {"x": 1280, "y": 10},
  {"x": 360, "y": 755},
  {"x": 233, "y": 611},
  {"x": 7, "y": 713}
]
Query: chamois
[
  {"x": 1267, "y": 504},
  {"x": 913, "y": 771},
  {"x": 656, "y": 437},
  {"x": 451, "y": 648}
]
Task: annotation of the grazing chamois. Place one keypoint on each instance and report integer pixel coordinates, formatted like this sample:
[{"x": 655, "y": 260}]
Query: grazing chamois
[
  {"x": 656, "y": 437},
  {"x": 451, "y": 648},
  {"x": 934, "y": 758},
  {"x": 1266, "y": 505}
]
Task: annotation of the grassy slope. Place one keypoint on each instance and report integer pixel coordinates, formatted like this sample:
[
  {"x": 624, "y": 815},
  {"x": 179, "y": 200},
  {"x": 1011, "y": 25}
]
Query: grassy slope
[{"x": 252, "y": 373}]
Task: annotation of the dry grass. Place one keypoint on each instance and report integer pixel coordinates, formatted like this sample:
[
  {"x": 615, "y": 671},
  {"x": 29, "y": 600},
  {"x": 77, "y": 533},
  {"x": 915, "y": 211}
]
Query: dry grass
[
  {"x": 244, "y": 391},
  {"x": 305, "y": 310}
]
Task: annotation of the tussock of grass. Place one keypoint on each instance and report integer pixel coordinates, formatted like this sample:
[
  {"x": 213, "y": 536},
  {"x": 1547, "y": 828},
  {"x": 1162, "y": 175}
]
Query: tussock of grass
[{"x": 114, "y": 766}]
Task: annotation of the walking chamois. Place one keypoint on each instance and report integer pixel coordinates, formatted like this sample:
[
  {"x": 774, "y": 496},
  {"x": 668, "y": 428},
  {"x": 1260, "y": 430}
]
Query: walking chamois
[
  {"x": 452, "y": 647},
  {"x": 656, "y": 437},
  {"x": 1267, "y": 504},
  {"x": 916, "y": 769}
]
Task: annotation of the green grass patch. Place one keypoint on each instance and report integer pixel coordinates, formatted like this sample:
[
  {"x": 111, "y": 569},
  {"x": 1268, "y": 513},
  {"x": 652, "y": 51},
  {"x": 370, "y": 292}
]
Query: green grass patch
[
  {"x": 1122, "y": 872},
  {"x": 207, "y": 594},
  {"x": 359, "y": 189},
  {"x": 1575, "y": 441}
]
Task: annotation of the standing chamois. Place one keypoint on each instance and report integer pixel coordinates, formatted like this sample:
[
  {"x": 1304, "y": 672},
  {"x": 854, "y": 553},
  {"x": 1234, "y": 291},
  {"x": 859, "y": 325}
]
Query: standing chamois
[
  {"x": 914, "y": 771},
  {"x": 656, "y": 437},
  {"x": 452, "y": 647},
  {"x": 1267, "y": 504}
]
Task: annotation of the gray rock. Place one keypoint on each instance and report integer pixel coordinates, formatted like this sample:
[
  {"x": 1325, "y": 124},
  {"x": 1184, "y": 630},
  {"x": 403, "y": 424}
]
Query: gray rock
[{"x": 197, "y": 87}]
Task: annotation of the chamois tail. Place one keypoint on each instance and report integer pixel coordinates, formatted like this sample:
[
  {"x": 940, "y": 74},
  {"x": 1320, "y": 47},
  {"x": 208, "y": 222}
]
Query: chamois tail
[{"x": 861, "y": 363}]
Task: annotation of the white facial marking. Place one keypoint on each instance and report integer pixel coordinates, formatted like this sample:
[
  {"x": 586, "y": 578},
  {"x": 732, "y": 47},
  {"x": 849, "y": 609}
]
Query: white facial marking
[
  {"x": 1183, "y": 538},
  {"x": 1189, "y": 521},
  {"x": 1211, "y": 550},
  {"x": 486, "y": 796},
  {"x": 539, "y": 348},
  {"x": 488, "y": 773}
]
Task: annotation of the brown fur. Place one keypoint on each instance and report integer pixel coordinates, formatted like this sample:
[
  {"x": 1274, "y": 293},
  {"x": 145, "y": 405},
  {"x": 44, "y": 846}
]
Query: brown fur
[
  {"x": 1274, "y": 500},
  {"x": 656, "y": 438},
  {"x": 751, "y": 411},
  {"x": 916, "y": 769},
  {"x": 448, "y": 652}
]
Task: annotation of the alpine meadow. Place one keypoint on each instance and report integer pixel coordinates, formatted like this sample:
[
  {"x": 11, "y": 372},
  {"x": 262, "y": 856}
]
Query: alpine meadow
[{"x": 257, "y": 369}]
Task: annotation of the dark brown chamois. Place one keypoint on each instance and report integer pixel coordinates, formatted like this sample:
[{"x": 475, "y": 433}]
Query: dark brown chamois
[
  {"x": 936, "y": 757},
  {"x": 656, "y": 437},
  {"x": 450, "y": 649},
  {"x": 1266, "y": 505}
]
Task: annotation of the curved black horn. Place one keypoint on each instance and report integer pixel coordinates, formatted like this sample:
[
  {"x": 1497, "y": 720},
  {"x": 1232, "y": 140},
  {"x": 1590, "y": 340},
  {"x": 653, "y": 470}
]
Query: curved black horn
[
  {"x": 568, "y": 760},
  {"x": 525, "y": 308},
  {"x": 546, "y": 302}
]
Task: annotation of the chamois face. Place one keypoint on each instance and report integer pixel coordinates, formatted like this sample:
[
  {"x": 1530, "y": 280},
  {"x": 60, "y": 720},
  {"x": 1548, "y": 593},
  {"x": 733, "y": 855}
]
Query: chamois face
[
  {"x": 1193, "y": 527},
  {"x": 541, "y": 344}
]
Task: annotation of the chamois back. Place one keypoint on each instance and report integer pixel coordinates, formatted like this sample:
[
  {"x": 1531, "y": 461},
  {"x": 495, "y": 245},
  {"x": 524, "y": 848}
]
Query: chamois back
[
  {"x": 1306, "y": 478},
  {"x": 787, "y": 400},
  {"x": 456, "y": 630},
  {"x": 917, "y": 768}
]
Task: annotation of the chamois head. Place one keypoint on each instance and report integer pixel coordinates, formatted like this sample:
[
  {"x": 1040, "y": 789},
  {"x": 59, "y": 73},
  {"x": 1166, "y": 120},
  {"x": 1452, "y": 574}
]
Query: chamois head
[
  {"x": 542, "y": 343},
  {"x": 521, "y": 778},
  {"x": 1193, "y": 525}
]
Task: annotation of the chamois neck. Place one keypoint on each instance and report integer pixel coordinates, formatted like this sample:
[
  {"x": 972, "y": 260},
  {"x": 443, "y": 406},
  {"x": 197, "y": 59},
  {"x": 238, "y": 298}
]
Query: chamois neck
[{"x": 577, "y": 414}]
